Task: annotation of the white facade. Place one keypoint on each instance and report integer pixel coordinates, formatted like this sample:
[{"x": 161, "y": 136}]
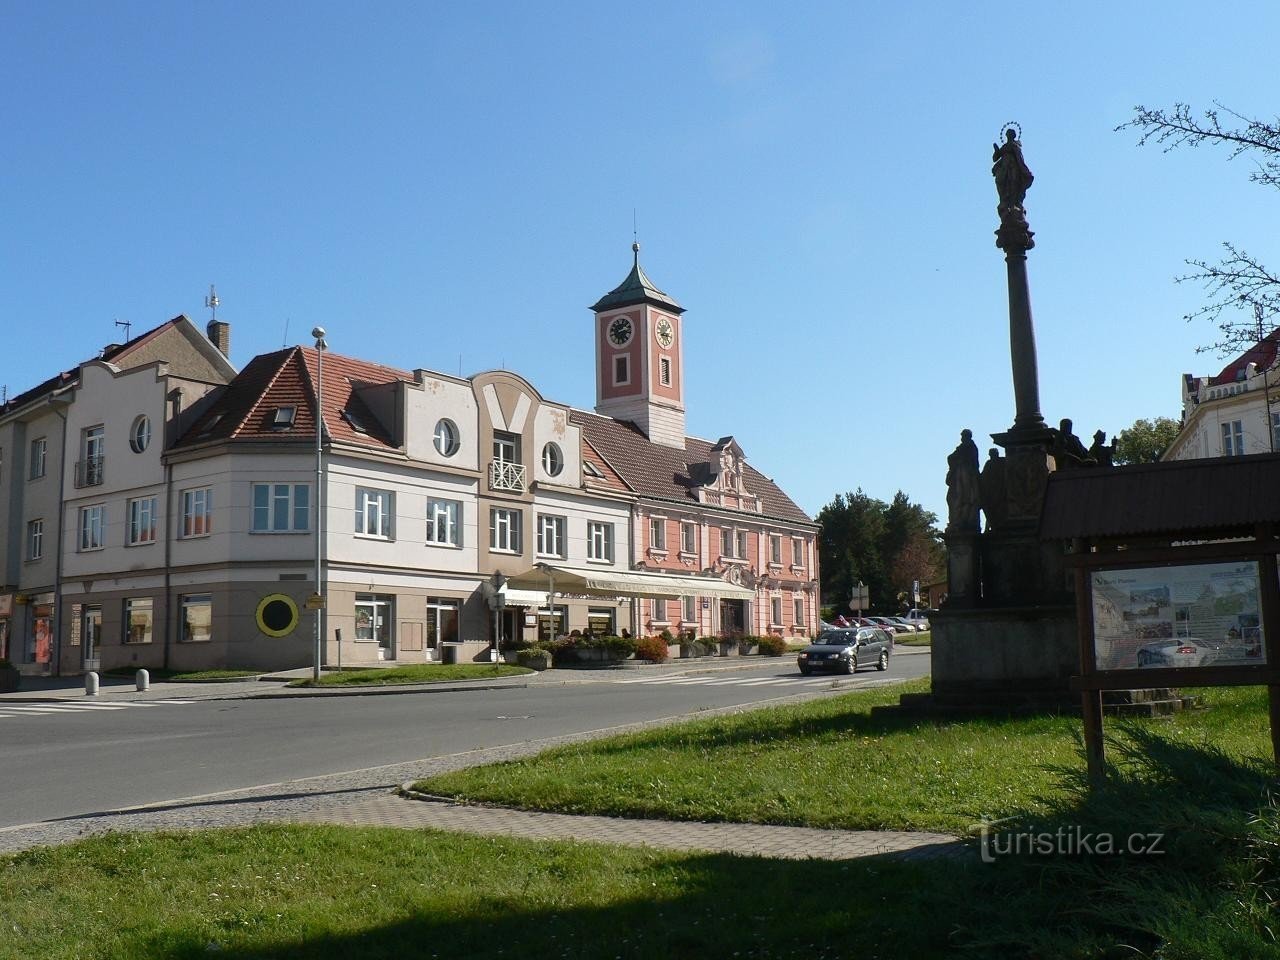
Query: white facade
[{"x": 1229, "y": 419}]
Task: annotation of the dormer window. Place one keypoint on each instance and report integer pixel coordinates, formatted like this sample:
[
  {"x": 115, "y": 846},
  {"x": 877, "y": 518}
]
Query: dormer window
[
  {"x": 283, "y": 418},
  {"x": 592, "y": 470},
  {"x": 209, "y": 427},
  {"x": 356, "y": 423}
]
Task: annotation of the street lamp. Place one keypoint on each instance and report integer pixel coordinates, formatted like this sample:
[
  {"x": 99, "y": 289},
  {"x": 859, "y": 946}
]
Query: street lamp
[{"x": 321, "y": 346}]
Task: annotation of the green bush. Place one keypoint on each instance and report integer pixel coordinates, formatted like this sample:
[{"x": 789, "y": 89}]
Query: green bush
[
  {"x": 653, "y": 649},
  {"x": 772, "y": 646},
  {"x": 535, "y": 658},
  {"x": 691, "y": 646},
  {"x": 667, "y": 636}
]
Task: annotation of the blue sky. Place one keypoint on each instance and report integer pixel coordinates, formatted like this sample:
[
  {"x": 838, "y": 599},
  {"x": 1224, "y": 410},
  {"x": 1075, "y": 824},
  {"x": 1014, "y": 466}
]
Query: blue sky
[{"x": 451, "y": 185}]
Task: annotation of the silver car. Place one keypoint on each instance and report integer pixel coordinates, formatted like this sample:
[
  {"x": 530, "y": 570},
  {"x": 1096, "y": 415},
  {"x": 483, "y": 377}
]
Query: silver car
[{"x": 846, "y": 649}]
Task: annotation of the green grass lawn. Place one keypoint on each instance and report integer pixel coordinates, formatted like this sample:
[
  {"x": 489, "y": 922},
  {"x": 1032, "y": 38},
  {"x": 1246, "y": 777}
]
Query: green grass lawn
[
  {"x": 418, "y": 673},
  {"x": 321, "y": 892},
  {"x": 184, "y": 675},
  {"x": 914, "y": 639},
  {"x": 828, "y": 763}
]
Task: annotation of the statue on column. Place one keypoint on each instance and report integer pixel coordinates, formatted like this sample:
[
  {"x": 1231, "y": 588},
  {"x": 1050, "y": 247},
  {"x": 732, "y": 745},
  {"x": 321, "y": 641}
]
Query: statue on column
[
  {"x": 963, "y": 497},
  {"x": 994, "y": 489},
  {"x": 1012, "y": 174},
  {"x": 1104, "y": 455}
]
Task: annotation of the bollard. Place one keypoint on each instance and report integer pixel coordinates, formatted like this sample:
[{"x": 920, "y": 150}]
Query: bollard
[
  {"x": 143, "y": 680},
  {"x": 90, "y": 684}
]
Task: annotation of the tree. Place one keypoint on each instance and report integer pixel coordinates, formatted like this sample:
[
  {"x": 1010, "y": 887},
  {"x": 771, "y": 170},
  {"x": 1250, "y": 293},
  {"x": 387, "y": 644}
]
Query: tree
[
  {"x": 1240, "y": 281},
  {"x": 885, "y": 545},
  {"x": 1146, "y": 441}
]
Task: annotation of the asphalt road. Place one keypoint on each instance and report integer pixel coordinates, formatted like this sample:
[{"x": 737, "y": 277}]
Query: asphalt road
[{"x": 58, "y": 762}]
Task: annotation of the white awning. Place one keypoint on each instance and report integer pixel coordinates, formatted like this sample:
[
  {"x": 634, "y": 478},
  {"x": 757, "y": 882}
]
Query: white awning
[
  {"x": 607, "y": 582},
  {"x": 509, "y": 596}
]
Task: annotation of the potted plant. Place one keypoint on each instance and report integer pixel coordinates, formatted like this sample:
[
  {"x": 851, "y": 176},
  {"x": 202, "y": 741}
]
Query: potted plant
[
  {"x": 728, "y": 644},
  {"x": 9, "y": 677}
]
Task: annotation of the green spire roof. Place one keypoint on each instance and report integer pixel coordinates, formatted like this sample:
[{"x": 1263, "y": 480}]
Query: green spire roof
[{"x": 637, "y": 288}]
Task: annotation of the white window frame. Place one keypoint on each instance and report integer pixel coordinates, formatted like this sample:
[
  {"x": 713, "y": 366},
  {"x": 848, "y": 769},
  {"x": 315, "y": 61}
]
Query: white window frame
[
  {"x": 374, "y": 511},
  {"x": 688, "y": 537},
  {"x": 39, "y": 456},
  {"x": 280, "y": 497},
  {"x": 799, "y": 611},
  {"x": 551, "y": 535},
  {"x": 740, "y": 544},
  {"x": 445, "y": 437},
  {"x": 775, "y": 548},
  {"x": 140, "y": 433},
  {"x": 775, "y": 611},
  {"x": 599, "y": 541},
  {"x": 1233, "y": 438},
  {"x": 93, "y": 527},
  {"x": 621, "y": 362},
  {"x": 444, "y": 522},
  {"x": 658, "y": 533},
  {"x": 658, "y": 611},
  {"x": 504, "y": 530},
  {"x": 35, "y": 539},
  {"x": 552, "y": 459},
  {"x": 689, "y": 609},
  {"x": 797, "y": 552},
  {"x": 197, "y": 512},
  {"x": 142, "y": 516}
]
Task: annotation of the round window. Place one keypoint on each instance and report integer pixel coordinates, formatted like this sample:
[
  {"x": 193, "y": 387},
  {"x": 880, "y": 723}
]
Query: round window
[
  {"x": 140, "y": 434},
  {"x": 446, "y": 437},
  {"x": 552, "y": 460}
]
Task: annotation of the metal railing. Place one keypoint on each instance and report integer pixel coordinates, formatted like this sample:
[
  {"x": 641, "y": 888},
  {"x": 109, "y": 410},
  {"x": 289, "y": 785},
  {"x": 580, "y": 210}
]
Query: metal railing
[
  {"x": 89, "y": 472},
  {"x": 504, "y": 475}
]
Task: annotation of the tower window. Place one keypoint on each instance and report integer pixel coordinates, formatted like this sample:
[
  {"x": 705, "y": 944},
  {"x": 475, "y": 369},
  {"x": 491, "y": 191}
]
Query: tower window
[
  {"x": 664, "y": 371},
  {"x": 621, "y": 370}
]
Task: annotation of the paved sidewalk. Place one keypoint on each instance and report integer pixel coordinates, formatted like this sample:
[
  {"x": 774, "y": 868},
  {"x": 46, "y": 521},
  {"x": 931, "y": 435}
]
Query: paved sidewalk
[
  {"x": 746, "y": 839},
  {"x": 115, "y": 689}
]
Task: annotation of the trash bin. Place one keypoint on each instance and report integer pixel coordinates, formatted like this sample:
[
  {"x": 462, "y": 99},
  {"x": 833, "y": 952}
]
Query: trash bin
[{"x": 448, "y": 653}]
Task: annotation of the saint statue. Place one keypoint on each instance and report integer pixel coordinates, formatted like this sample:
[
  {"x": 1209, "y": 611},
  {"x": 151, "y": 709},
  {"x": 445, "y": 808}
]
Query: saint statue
[
  {"x": 1012, "y": 174},
  {"x": 962, "y": 486}
]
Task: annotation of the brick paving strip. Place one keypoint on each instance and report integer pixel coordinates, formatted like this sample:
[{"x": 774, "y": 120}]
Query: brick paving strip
[{"x": 364, "y": 797}]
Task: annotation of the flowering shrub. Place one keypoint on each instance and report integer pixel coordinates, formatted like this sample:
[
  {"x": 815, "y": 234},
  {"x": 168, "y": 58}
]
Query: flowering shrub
[
  {"x": 772, "y": 646},
  {"x": 534, "y": 658},
  {"x": 653, "y": 649}
]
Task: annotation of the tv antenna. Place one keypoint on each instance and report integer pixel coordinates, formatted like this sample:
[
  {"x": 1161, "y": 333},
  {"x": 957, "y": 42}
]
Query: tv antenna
[
  {"x": 212, "y": 302},
  {"x": 126, "y": 324}
]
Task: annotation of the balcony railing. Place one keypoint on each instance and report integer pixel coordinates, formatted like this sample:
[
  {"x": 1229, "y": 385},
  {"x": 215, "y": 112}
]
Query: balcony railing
[
  {"x": 89, "y": 472},
  {"x": 504, "y": 475}
]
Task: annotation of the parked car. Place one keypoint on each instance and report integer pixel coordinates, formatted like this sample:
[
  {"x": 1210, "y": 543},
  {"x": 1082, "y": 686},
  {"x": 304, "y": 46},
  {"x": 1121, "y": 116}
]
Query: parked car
[
  {"x": 887, "y": 624},
  {"x": 913, "y": 627},
  {"x": 919, "y": 617},
  {"x": 845, "y": 650}
]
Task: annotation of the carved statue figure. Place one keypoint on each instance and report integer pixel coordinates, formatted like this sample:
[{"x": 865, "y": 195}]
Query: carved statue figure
[
  {"x": 1068, "y": 451},
  {"x": 1099, "y": 450},
  {"x": 994, "y": 490},
  {"x": 963, "y": 499},
  {"x": 1012, "y": 174}
]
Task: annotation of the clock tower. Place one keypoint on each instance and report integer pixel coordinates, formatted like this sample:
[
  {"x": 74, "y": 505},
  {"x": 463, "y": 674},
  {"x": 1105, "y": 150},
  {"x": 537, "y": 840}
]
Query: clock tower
[{"x": 639, "y": 357}]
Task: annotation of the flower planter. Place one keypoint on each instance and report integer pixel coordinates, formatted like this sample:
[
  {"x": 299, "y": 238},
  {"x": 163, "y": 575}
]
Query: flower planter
[
  {"x": 728, "y": 648},
  {"x": 748, "y": 649}
]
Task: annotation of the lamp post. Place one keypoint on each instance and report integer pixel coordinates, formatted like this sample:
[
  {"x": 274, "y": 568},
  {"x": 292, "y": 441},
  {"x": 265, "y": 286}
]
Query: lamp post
[{"x": 321, "y": 346}]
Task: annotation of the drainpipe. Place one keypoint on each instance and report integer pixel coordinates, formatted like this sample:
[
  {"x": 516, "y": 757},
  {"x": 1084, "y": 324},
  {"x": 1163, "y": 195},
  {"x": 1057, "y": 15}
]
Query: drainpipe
[
  {"x": 62, "y": 512},
  {"x": 169, "y": 619}
]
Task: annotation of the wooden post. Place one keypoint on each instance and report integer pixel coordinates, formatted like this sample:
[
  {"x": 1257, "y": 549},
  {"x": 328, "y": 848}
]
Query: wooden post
[
  {"x": 1269, "y": 588},
  {"x": 1090, "y": 700}
]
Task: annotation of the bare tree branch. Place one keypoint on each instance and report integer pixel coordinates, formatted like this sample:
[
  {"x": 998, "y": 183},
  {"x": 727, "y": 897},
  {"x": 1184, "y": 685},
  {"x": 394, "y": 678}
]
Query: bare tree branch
[{"x": 1239, "y": 281}]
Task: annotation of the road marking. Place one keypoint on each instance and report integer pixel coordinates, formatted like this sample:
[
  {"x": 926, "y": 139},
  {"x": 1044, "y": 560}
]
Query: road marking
[{"x": 12, "y": 711}]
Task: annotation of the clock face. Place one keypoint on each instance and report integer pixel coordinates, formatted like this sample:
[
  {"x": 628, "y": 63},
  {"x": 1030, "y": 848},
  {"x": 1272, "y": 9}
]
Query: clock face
[
  {"x": 620, "y": 331},
  {"x": 666, "y": 333}
]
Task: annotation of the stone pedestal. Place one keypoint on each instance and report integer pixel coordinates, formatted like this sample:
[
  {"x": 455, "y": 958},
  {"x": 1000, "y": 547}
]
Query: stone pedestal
[
  {"x": 1004, "y": 659},
  {"x": 963, "y": 569}
]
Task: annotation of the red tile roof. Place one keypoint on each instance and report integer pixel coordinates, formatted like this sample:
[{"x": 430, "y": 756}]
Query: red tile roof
[
  {"x": 1263, "y": 353},
  {"x": 654, "y": 470},
  {"x": 246, "y": 410}
]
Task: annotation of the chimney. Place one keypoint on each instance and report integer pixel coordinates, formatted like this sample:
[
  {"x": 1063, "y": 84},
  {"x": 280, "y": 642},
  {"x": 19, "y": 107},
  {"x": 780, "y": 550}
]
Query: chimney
[{"x": 219, "y": 333}]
